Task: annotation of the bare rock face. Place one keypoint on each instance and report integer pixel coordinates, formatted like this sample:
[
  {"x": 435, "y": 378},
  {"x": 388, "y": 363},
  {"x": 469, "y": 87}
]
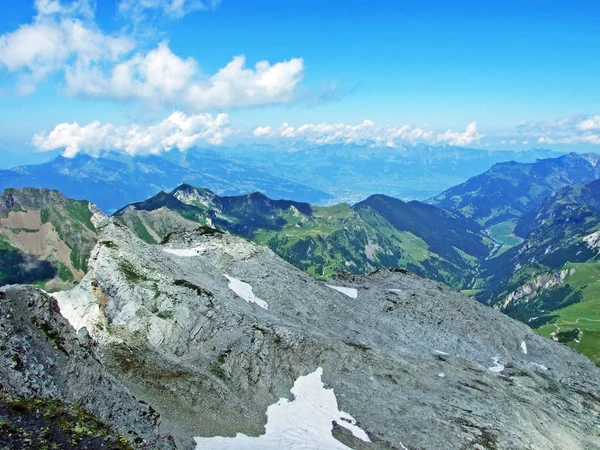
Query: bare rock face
[
  {"x": 43, "y": 358},
  {"x": 210, "y": 330}
]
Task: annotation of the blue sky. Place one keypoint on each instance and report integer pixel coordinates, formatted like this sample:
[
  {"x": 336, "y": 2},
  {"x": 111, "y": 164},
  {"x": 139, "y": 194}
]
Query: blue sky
[{"x": 525, "y": 72}]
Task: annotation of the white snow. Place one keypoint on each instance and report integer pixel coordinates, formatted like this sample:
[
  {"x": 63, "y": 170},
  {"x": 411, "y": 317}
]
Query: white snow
[
  {"x": 244, "y": 290},
  {"x": 186, "y": 252},
  {"x": 397, "y": 291},
  {"x": 539, "y": 366},
  {"x": 439, "y": 352},
  {"x": 350, "y": 292},
  {"x": 497, "y": 366},
  {"x": 442, "y": 375},
  {"x": 304, "y": 423},
  {"x": 524, "y": 347}
]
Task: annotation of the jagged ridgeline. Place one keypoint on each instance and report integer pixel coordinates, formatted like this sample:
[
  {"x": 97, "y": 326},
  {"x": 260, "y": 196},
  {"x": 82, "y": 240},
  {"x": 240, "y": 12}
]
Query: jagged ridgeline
[
  {"x": 45, "y": 238},
  {"x": 378, "y": 232}
]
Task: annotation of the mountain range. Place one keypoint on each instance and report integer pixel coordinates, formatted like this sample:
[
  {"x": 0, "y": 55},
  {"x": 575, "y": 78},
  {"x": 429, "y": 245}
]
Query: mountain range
[
  {"x": 170, "y": 328},
  {"x": 321, "y": 175},
  {"x": 525, "y": 260},
  {"x": 378, "y": 232}
]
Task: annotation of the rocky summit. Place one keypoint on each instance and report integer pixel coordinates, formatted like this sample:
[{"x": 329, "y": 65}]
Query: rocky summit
[{"x": 235, "y": 348}]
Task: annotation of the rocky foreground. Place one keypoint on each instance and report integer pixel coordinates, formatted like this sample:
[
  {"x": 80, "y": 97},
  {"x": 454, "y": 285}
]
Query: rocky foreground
[{"x": 213, "y": 333}]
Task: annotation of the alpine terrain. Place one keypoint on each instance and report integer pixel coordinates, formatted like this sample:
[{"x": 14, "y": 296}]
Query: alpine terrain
[
  {"x": 235, "y": 348},
  {"x": 378, "y": 232},
  {"x": 45, "y": 238}
]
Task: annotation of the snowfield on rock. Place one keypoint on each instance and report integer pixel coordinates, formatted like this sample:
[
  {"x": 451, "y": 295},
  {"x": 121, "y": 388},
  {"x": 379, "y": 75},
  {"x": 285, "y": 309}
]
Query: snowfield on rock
[
  {"x": 186, "y": 252},
  {"x": 304, "y": 423},
  {"x": 244, "y": 290},
  {"x": 350, "y": 292}
]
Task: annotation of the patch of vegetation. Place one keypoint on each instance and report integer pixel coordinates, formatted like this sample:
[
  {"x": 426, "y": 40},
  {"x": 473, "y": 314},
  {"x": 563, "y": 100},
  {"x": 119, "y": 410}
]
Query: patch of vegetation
[
  {"x": 24, "y": 230},
  {"x": 357, "y": 345},
  {"x": 165, "y": 314},
  {"x": 200, "y": 291},
  {"x": 80, "y": 211},
  {"x": 582, "y": 317},
  {"x": 45, "y": 424},
  {"x": 141, "y": 231},
  {"x": 52, "y": 335},
  {"x": 130, "y": 273},
  {"x": 215, "y": 367},
  {"x": 108, "y": 244}
]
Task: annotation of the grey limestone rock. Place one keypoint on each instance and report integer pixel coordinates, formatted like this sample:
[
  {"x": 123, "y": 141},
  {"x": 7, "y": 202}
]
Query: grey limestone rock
[{"x": 418, "y": 365}]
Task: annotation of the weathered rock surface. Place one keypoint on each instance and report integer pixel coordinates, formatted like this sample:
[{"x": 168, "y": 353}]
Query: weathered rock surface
[
  {"x": 416, "y": 364},
  {"x": 41, "y": 357}
]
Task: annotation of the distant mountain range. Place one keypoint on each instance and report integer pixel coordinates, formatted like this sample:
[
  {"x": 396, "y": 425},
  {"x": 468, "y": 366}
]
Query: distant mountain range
[
  {"x": 113, "y": 180},
  {"x": 323, "y": 175},
  {"x": 509, "y": 190}
]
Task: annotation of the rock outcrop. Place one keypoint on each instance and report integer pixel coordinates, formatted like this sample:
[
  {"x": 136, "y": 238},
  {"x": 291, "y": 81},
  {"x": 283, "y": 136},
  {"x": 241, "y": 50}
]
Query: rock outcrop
[
  {"x": 211, "y": 330},
  {"x": 42, "y": 359}
]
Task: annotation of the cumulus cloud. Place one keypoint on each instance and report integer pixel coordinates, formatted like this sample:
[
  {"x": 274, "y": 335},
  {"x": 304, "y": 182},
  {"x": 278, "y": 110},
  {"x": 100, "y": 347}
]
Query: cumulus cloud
[
  {"x": 64, "y": 38},
  {"x": 368, "y": 132},
  {"x": 592, "y": 123},
  {"x": 570, "y": 130},
  {"x": 179, "y": 131},
  {"x": 160, "y": 77},
  {"x": 59, "y": 35},
  {"x": 174, "y": 9}
]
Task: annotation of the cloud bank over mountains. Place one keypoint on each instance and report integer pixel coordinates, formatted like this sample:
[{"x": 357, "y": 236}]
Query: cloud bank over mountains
[{"x": 177, "y": 131}]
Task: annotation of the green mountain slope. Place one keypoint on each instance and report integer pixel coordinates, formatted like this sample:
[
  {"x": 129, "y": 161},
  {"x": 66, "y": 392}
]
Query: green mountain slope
[
  {"x": 45, "y": 238},
  {"x": 552, "y": 281},
  {"x": 378, "y": 232},
  {"x": 510, "y": 190}
]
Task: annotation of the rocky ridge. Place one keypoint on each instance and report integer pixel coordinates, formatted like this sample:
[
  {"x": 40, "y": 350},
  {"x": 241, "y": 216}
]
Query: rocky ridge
[
  {"x": 43, "y": 360},
  {"x": 416, "y": 364}
]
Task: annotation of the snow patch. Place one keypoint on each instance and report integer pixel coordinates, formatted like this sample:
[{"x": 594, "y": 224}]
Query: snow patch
[
  {"x": 397, "y": 291},
  {"x": 244, "y": 290},
  {"x": 350, "y": 292},
  {"x": 539, "y": 366},
  {"x": 304, "y": 423},
  {"x": 186, "y": 252},
  {"x": 497, "y": 366},
  {"x": 524, "y": 347},
  {"x": 439, "y": 352}
]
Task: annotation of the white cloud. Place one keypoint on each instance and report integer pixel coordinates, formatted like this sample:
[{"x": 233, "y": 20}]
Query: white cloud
[
  {"x": 174, "y": 9},
  {"x": 571, "y": 130},
  {"x": 160, "y": 77},
  {"x": 177, "y": 131},
  {"x": 64, "y": 38},
  {"x": 592, "y": 123},
  {"x": 369, "y": 133},
  {"x": 262, "y": 131},
  {"x": 58, "y": 35}
]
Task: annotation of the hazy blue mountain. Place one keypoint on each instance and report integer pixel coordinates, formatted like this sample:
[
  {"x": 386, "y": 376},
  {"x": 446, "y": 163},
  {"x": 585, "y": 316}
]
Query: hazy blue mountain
[
  {"x": 509, "y": 190},
  {"x": 112, "y": 181},
  {"x": 353, "y": 172}
]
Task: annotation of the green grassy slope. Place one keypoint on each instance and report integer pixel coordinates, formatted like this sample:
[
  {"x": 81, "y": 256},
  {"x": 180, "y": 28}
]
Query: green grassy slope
[{"x": 325, "y": 240}]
